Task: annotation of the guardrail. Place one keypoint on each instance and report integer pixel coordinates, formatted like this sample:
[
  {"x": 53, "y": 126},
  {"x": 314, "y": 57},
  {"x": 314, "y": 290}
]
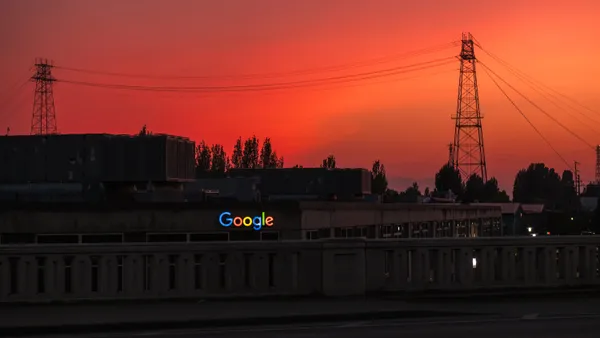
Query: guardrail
[{"x": 41, "y": 273}]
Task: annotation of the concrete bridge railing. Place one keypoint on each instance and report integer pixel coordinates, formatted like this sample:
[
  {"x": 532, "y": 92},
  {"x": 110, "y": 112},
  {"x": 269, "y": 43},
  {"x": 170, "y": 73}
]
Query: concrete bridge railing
[{"x": 40, "y": 273}]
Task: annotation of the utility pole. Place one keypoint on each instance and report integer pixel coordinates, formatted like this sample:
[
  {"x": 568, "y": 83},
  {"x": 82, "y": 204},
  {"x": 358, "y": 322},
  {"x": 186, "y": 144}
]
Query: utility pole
[
  {"x": 577, "y": 179},
  {"x": 468, "y": 149},
  {"x": 43, "y": 120}
]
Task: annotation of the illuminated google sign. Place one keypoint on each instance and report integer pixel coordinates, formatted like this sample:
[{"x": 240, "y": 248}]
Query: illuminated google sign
[{"x": 256, "y": 222}]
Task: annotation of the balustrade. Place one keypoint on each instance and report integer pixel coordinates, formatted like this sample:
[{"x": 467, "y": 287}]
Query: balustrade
[{"x": 38, "y": 273}]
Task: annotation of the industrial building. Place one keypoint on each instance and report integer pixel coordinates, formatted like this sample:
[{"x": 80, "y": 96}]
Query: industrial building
[
  {"x": 98, "y": 188},
  {"x": 310, "y": 183},
  {"x": 90, "y": 159},
  {"x": 30, "y": 223}
]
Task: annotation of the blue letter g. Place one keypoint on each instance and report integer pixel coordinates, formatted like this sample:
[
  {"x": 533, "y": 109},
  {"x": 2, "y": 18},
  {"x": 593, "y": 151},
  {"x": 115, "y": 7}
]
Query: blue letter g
[{"x": 224, "y": 220}]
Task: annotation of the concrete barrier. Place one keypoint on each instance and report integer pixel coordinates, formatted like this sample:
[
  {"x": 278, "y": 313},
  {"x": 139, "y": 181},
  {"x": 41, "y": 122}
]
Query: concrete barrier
[{"x": 46, "y": 273}]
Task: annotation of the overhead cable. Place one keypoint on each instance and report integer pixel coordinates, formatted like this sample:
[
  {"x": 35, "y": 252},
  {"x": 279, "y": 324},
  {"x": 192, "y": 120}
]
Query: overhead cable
[
  {"x": 376, "y": 61},
  {"x": 274, "y": 86}
]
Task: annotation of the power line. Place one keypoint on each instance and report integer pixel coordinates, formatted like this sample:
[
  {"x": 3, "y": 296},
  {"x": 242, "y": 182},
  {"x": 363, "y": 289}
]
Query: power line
[
  {"x": 538, "y": 107},
  {"x": 12, "y": 96},
  {"x": 485, "y": 69},
  {"x": 276, "y": 86},
  {"x": 380, "y": 60},
  {"x": 14, "y": 88},
  {"x": 543, "y": 93},
  {"x": 509, "y": 66},
  {"x": 392, "y": 80},
  {"x": 540, "y": 89}
]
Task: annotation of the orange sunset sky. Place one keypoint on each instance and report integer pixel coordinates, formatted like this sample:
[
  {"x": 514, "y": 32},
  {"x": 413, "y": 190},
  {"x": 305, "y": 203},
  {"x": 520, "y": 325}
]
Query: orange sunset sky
[{"x": 403, "y": 120}]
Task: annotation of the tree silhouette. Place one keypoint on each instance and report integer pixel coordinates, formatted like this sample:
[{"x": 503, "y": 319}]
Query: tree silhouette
[
  {"x": 203, "y": 159},
  {"x": 329, "y": 162},
  {"x": 390, "y": 196},
  {"x": 219, "y": 162},
  {"x": 411, "y": 194},
  {"x": 474, "y": 190},
  {"x": 250, "y": 154},
  {"x": 493, "y": 194},
  {"x": 268, "y": 157},
  {"x": 569, "y": 201},
  {"x": 535, "y": 184},
  {"x": 237, "y": 155},
  {"x": 538, "y": 184},
  {"x": 379, "y": 182},
  {"x": 297, "y": 166},
  {"x": 213, "y": 160},
  {"x": 448, "y": 179},
  {"x": 144, "y": 131}
]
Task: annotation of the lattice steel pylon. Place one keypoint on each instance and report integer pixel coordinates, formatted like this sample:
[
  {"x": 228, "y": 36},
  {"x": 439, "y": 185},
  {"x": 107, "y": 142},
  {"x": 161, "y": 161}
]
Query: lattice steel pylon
[
  {"x": 468, "y": 149},
  {"x": 43, "y": 120}
]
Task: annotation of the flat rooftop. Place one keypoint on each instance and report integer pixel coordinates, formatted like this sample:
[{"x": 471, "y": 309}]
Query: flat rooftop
[{"x": 225, "y": 203}]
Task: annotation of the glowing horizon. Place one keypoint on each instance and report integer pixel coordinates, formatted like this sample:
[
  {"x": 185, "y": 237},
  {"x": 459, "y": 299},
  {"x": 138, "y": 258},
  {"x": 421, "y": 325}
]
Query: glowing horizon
[{"x": 404, "y": 123}]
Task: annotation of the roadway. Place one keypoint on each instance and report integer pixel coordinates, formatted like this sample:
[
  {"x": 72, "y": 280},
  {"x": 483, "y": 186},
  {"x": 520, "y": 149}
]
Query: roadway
[
  {"x": 581, "y": 326},
  {"x": 568, "y": 316}
]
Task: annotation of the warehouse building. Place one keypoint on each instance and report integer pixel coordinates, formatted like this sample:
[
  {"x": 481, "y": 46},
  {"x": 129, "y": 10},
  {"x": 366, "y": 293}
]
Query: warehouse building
[
  {"x": 30, "y": 223},
  {"x": 309, "y": 183},
  {"x": 88, "y": 159}
]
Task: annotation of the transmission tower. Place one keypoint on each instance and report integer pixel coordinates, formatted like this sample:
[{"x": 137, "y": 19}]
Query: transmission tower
[
  {"x": 43, "y": 121},
  {"x": 598, "y": 164},
  {"x": 468, "y": 150}
]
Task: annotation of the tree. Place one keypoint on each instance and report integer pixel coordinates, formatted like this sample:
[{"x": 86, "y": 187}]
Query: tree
[
  {"x": 329, "y": 162},
  {"x": 448, "y": 179},
  {"x": 203, "y": 159},
  {"x": 427, "y": 192},
  {"x": 390, "y": 196},
  {"x": 474, "y": 189},
  {"x": 569, "y": 201},
  {"x": 297, "y": 166},
  {"x": 411, "y": 194},
  {"x": 268, "y": 157},
  {"x": 538, "y": 184},
  {"x": 144, "y": 131},
  {"x": 238, "y": 152},
  {"x": 379, "y": 182},
  {"x": 493, "y": 194},
  {"x": 250, "y": 154},
  {"x": 220, "y": 162}
]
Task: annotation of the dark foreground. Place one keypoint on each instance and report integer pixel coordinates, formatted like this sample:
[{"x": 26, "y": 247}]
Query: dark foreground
[
  {"x": 568, "y": 316},
  {"x": 546, "y": 327}
]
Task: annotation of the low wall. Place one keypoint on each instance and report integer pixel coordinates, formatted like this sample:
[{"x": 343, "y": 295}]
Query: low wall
[{"x": 40, "y": 273}]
